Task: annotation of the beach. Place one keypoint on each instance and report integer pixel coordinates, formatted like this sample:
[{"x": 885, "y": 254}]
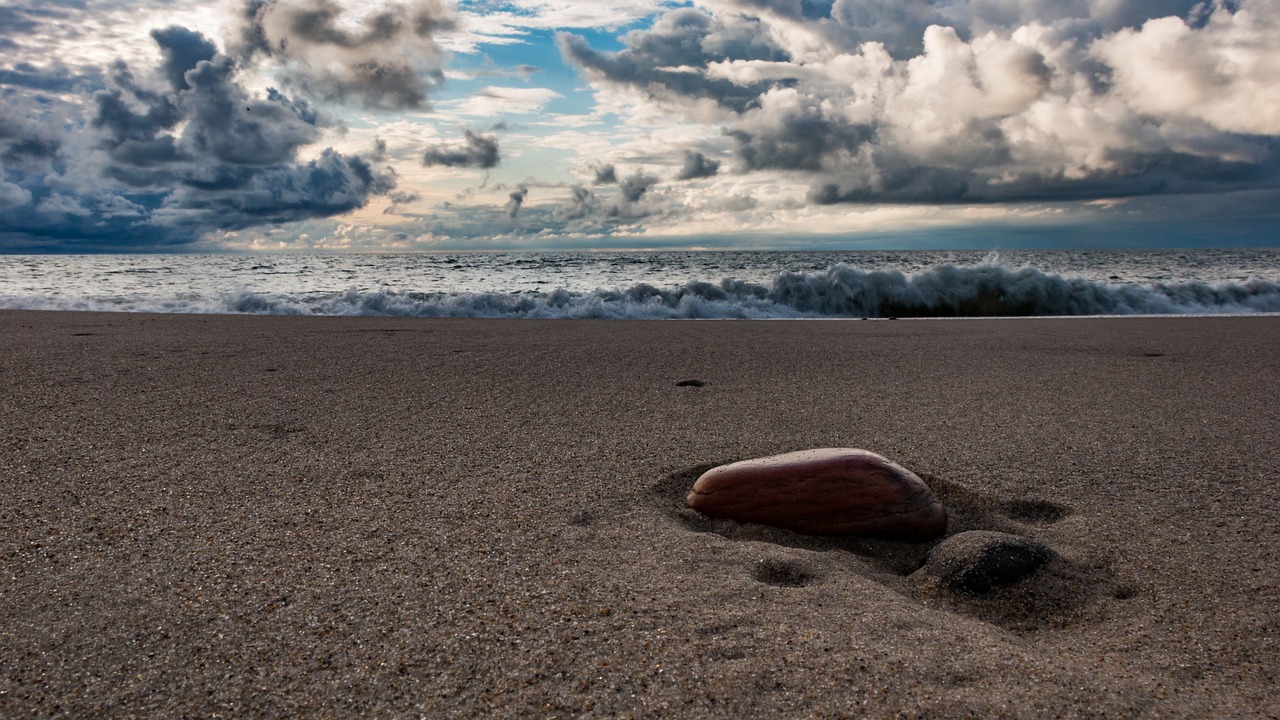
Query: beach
[{"x": 243, "y": 516}]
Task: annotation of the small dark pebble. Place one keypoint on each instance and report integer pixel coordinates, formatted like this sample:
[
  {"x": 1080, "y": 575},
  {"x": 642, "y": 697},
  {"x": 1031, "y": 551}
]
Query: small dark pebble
[{"x": 690, "y": 383}]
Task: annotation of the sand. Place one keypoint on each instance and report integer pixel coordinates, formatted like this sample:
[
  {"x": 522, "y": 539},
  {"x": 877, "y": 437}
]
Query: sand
[{"x": 286, "y": 517}]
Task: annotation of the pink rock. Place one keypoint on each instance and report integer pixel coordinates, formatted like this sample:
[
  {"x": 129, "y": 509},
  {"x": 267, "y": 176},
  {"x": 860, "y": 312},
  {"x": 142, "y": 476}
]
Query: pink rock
[{"x": 832, "y": 491}]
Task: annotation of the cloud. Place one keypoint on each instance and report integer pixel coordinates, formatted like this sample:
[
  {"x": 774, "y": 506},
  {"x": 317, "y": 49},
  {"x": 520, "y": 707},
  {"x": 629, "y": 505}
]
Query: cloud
[
  {"x": 476, "y": 151},
  {"x": 13, "y": 195},
  {"x": 605, "y": 209},
  {"x": 582, "y": 203},
  {"x": 392, "y": 61},
  {"x": 332, "y": 184},
  {"x": 1222, "y": 73},
  {"x": 655, "y": 61},
  {"x": 513, "y": 21},
  {"x": 219, "y": 120},
  {"x": 23, "y": 17},
  {"x": 697, "y": 165},
  {"x": 607, "y": 14},
  {"x": 515, "y": 200},
  {"x": 494, "y": 100},
  {"x": 30, "y": 135},
  {"x": 806, "y": 112},
  {"x": 183, "y": 49},
  {"x": 633, "y": 187},
  {"x": 53, "y": 78},
  {"x": 149, "y": 164},
  {"x": 967, "y": 102},
  {"x": 605, "y": 174}
]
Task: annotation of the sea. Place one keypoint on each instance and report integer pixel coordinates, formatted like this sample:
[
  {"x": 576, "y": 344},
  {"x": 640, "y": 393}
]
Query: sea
[{"x": 657, "y": 285}]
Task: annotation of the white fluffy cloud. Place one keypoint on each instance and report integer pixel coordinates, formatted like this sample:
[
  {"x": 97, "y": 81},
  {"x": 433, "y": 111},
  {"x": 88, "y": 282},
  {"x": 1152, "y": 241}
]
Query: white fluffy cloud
[
  {"x": 982, "y": 101},
  {"x": 388, "y": 59},
  {"x": 1225, "y": 73},
  {"x": 494, "y": 101}
]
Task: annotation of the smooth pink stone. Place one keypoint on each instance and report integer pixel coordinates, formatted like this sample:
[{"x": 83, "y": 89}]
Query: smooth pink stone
[{"x": 832, "y": 491}]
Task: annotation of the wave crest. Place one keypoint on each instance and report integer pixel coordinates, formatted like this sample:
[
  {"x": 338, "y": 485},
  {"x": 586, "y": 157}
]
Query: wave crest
[{"x": 842, "y": 291}]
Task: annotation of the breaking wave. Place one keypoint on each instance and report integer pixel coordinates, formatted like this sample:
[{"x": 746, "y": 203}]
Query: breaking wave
[{"x": 840, "y": 291}]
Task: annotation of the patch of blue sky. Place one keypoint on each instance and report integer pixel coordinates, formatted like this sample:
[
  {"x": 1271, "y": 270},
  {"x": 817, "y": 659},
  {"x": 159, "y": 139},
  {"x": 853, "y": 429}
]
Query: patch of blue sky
[
  {"x": 499, "y": 65},
  {"x": 495, "y": 6}
]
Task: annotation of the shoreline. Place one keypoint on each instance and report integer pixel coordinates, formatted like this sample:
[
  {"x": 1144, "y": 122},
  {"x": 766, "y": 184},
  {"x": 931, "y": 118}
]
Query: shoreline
[
  {"x": 1148, "y": 316},
  {"x": 380, "y": 517}
]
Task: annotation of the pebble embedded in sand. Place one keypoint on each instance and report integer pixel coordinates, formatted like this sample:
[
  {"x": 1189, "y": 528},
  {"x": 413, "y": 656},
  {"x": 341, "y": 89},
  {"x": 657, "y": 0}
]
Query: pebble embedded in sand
[
  {"x": 977, "y": 562},
  {"x": 832, "y": 491}
]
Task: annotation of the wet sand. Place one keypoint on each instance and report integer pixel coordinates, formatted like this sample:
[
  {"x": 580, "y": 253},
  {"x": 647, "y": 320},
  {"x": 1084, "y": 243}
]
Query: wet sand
[{"x": 282, "y": 517}]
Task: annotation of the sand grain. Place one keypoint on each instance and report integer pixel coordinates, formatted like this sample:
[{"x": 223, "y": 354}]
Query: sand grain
[{"x": 266, "y": 517}]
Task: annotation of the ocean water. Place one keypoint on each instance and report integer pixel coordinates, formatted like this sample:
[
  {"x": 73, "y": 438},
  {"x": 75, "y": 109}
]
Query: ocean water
[{"x": 749, "y": 284}]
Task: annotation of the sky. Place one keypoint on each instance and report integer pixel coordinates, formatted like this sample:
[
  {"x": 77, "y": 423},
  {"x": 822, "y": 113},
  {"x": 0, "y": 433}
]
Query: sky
[{"x": 417, "y": 125}]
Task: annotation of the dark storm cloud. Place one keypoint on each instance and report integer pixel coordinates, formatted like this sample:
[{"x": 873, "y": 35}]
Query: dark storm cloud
[
  {"x": 182, "y": 49},
  {"x": 634, "y": 186},
  {"x": 129, "y": 112},
  {"x": 329, "y": 185},
  {"x": 585, "y": 211},
  {"x": 29, "y": 137},
  {"x": 799, "y": 140},
  {"x": 663, "y": 61},
  {"x": 582, "y": 203},
  {"x": 163, "y": 165},
  {"x": 515, "y": 200},
  {"x": 377, "y": 85},
  {"x": 400, "y": 198},
  {"x": 697, "y": 165},
  {"x": 222, "y": 122},
  {"x": 53, "y": 79},
  {"x": 476, "y": 151},
  {"x": 1136, "y": 174},
  {"x": 910, "y": 185},
  {"x": 317, "y": 22},
  {"x": 391, "y": 62},
  {"x": 606, "y": 174},
  {"x": 787, "y": 8},
  {"x": 900, "y": 26}
]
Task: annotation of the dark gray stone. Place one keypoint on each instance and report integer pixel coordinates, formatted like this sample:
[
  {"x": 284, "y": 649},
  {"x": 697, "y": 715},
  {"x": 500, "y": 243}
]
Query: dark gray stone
[{"x": 979, "y": 561}]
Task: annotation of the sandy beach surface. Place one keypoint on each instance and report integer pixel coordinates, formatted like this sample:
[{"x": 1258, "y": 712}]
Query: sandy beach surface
[{"x": 213, "y": 516}]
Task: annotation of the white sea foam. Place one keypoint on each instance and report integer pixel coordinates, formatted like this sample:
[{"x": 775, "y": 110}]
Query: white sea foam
[
  {"x": 984, "y": 289},
  {"x": 766, "y": 285}
]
